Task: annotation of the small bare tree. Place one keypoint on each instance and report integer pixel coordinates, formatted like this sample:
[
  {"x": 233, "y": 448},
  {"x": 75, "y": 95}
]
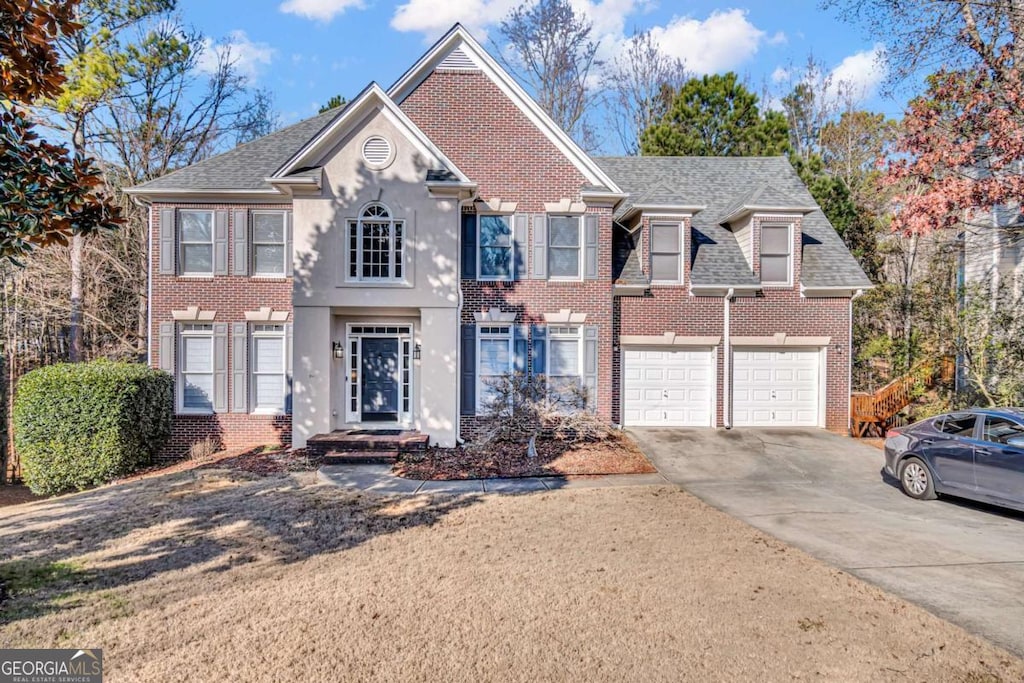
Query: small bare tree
[
  {"x": 548, "y": 45},
  {"x": 640, "y": 84},
  {"x": 520, "y": 408}
]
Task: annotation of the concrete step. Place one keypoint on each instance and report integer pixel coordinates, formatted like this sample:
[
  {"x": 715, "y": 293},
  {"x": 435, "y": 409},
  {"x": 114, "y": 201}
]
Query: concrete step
[{"x": 374, "y": 457}]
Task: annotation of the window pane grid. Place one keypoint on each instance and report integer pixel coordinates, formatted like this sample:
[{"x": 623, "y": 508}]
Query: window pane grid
[
  {"x": 376, "y": 246},
  {"x": 564, "y": 246},
  {"x": 776, "y": 249},
  {"x": 196, "y": 366},
  {"x": 666, "y": 252},
  {"x": 494, "y": 360},
  {"x": 196, "y": 242},
  {"x": 268, "y": 243}
]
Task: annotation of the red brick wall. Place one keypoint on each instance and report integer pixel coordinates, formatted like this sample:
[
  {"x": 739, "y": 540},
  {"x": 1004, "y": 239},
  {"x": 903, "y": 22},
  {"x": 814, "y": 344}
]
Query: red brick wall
[
  {"x": 230, "y": 296},
  {"x": 483, "y": 132},
  {"x": 671, "y": 308}
]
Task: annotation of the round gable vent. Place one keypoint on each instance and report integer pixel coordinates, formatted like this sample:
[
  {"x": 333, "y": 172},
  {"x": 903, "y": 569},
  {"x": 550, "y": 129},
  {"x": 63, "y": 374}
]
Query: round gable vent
[{"x": 376, "y": 151}]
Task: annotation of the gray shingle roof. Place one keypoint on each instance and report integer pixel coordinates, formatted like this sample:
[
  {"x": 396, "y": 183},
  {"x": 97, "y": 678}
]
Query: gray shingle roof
[
  {"x": 716, "y": 182},
  {"x": 245, "y": 166},
  {"x": 762, "y": 196},
  {"x": 626, "y": 268}
]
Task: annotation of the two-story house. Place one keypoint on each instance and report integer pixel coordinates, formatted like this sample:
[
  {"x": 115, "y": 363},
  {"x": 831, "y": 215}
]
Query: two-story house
[{"x": 375, "y": 266}]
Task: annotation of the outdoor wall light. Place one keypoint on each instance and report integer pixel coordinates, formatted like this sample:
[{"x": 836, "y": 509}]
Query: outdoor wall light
[
  {"x": 339, "y": 349},
  {"x": 416, "y": 352}
]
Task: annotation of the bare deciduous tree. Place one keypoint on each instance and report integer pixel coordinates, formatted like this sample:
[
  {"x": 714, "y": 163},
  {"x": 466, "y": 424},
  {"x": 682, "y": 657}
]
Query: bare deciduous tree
[
  {"x": 640, "y": 82},
  {"x": 548, "y": 45}
]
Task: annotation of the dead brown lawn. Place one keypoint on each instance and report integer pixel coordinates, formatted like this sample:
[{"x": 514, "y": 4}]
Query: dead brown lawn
[{"x": 211, "y": 575}]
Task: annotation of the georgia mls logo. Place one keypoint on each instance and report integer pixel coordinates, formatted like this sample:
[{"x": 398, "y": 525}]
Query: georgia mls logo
[{"x": 51, "y": 666}]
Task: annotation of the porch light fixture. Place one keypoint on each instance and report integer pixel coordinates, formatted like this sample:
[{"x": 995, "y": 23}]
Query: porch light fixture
[
  {"x": 416, "y": 352},
  {"x": 339, "y": 349}
]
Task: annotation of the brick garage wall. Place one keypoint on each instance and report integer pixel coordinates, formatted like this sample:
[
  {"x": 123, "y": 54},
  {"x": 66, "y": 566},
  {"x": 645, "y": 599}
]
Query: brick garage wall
[
  {"x": 230, "y": 296},
  {"x": 472, "y": 121},
  {"x": 671, "y": 308}
]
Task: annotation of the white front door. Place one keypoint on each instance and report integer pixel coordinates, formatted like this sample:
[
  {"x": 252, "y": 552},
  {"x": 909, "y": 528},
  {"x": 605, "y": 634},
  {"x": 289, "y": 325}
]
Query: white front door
[
  {"x": 668, "y": 387},
  {"x": 776, "y": 387}
]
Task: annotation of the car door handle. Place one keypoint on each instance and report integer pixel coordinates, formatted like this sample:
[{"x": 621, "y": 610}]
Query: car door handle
[{"x": 982, "y": 451}]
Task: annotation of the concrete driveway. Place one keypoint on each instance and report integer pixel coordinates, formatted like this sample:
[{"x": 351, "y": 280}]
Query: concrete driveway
[{"x": 826, "y": 495}]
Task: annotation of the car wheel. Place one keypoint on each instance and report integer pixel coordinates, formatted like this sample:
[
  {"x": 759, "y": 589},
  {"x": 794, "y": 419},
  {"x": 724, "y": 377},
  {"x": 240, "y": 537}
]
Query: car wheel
[{"x": 916, "y": 480}]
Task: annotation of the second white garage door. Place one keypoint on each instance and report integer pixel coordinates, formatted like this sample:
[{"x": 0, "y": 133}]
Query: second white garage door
[
  {"x": 668, "y": 387},
  {"x": 776, "y": 388}
]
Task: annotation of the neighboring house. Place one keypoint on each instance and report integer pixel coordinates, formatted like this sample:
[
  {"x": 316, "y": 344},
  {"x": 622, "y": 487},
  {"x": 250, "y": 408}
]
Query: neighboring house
[
  {"x": 373, "y": 267},
  {"x": 992, "y": 256}
]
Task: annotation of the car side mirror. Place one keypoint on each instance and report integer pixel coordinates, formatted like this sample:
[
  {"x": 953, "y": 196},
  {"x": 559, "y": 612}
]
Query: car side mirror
[{"x": 1016, "y": 441}]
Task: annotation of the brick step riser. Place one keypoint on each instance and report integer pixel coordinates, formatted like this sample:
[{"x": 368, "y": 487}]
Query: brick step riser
[
  {"x": 360, "y": 458},
  {"x": 324, "y": 446}
]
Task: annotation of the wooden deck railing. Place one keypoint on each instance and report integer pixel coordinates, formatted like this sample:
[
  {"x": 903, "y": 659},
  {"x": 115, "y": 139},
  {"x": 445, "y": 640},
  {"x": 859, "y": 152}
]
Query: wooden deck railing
[{"x": 875, "y": 413}]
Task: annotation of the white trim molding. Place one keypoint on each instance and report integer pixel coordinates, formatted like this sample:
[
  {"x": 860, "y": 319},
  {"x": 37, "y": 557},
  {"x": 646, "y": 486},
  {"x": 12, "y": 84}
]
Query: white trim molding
[
  {"x": 565, "y": 316},
  {"x": 565, "y": 207},
  {"x": 723, "y": 290},
  {"x": 837, "y": 291},
  {"x": 781, "y": 339},
  {"x": 266, "y": 314},
  {"x": 495, "y": 205},
  {"x": 194, "y": 314},
  {"x": 495, "y": 315},
  {"x": 668, "y": 339}
]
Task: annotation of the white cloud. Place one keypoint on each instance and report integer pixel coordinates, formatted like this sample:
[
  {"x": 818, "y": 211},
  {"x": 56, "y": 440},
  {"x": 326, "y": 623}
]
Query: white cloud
[
  {"x": 780, "y": 74},
  {"x": 721, "y": 42},
  {"x": 859, "y": 75},
  {"x": 321, "y": 10},
  {"x": 779, "y": 38},
  {"x": 433, "y": 18},
  {"x": 247, "y": 56}
]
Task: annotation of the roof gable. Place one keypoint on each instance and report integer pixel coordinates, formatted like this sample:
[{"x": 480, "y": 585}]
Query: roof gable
[
  {"x": 459, "y": 47},
  {"x": 372, "y": 98}
]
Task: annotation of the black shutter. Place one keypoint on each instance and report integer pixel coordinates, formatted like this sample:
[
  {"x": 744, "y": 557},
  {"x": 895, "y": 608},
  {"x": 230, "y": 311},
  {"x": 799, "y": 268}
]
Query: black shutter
[
  {"x": 468, "y": 370},
  {"x": 468, "y": 246}
]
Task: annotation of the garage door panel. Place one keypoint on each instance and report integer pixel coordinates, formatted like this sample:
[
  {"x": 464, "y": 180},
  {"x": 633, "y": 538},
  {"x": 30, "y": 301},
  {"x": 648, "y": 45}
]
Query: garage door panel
[
  {"x": 668, "y": 387},
  {"x": 776, "y": 387}
]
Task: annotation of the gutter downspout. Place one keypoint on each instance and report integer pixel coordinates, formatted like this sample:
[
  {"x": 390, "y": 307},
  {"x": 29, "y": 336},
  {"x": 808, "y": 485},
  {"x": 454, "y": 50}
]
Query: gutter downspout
[
  {"x": 849, "y": 364},
  {"x": 727, "y": 349},
  {"x": 458, "y": 326}
]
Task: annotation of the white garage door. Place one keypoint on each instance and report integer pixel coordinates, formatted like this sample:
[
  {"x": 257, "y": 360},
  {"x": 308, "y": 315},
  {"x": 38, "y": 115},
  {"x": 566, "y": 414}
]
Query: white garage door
[
  {"x": 775, "y": 388},
  {"x": 669, "y": 388}
]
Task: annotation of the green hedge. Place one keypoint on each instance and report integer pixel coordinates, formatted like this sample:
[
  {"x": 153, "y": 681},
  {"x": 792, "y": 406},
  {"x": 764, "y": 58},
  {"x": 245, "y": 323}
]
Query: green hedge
[{"x": 83, "y": 424}]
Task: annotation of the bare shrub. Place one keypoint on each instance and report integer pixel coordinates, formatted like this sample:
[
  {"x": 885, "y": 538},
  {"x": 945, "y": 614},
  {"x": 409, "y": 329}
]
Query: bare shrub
[
  {"x": 203, "y": 449},
  {"x": 521, "y": 407}
]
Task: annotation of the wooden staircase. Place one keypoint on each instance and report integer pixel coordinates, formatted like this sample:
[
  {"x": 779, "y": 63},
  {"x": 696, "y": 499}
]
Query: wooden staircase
[
  {"x": 363, "y": 446},
  {"x": 873, "y": 414}
]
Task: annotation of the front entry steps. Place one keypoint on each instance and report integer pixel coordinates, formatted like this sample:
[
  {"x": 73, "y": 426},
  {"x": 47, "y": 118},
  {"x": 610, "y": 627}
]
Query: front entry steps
[{"x": 366, "y": 446}]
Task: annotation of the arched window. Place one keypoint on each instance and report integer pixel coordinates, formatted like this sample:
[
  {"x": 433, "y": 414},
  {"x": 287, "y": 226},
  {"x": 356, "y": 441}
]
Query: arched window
[{"x": 376, "y": 245}]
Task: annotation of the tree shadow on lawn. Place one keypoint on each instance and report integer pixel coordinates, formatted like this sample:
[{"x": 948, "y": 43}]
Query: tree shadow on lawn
[{"x": 207, "y": 521}]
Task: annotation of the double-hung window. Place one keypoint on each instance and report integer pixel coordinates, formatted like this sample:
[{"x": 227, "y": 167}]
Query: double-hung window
[
  {"x": 268, "y": 243},
  {"x": 564, "y": 248},
  {"x": 494, "y": 360},
  {"x": 666, "y": 252},
  {"x": 376, "y": 246},
  {"x": 565, "y": 357},
  {"x": 195, "y": 242},
  {"x": 195, "y": 363},
  {"x": 495, "y": 247},
  {"x": 268, "y": 369},
  {"x": 776, "y": 254}
]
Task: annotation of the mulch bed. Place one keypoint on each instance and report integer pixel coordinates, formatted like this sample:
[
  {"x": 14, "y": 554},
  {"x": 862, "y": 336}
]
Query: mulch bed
[
  {"x": 617, "y": 455},
  {"x": 16, "y": 494}
]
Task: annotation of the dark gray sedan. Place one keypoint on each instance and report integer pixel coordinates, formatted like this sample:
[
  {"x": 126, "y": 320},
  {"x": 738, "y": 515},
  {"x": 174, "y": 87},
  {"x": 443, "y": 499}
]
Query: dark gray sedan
[{"x": 976, "y": 454}]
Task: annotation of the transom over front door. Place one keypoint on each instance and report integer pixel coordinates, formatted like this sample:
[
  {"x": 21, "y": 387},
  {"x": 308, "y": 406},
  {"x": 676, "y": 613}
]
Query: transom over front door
[{"x": 380, "y": 379}]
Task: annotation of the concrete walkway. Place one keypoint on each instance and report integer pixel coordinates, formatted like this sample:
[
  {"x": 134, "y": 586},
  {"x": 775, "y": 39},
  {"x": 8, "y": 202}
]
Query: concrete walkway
[{"x": 379, "y": 479}]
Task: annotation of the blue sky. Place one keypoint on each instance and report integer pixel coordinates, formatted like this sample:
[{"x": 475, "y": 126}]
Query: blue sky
[{"x": 304, "y": 51}]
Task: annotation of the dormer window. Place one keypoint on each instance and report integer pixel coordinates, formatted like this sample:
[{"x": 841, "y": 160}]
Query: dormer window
[
  {"x": 776, "y": 254},
  {"x": 376, "y": 246}
]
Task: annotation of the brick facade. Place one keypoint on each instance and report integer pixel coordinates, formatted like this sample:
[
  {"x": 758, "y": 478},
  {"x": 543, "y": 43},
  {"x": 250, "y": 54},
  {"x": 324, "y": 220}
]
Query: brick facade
[{"x": 230, "y": 296}]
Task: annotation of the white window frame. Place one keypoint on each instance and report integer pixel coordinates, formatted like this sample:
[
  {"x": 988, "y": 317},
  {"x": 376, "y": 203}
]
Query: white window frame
[
  {"x": 580, "y": 248},
  {"x": 788, "y": 282},
  {"x": 492, "y": 332},
  {"x": 182, "y": 242},
  {"x": 186, "y": 330},
  {"x": 565, "y": 333},
  {"x": 355, "y": 333},
  {"x": 679, "y": 225},
  {"x": 267, "y": 331},
  {"x": 510, "y": 219},
  {"x": 396, "y": 230},
  {"x": 253, "y": 243}
]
